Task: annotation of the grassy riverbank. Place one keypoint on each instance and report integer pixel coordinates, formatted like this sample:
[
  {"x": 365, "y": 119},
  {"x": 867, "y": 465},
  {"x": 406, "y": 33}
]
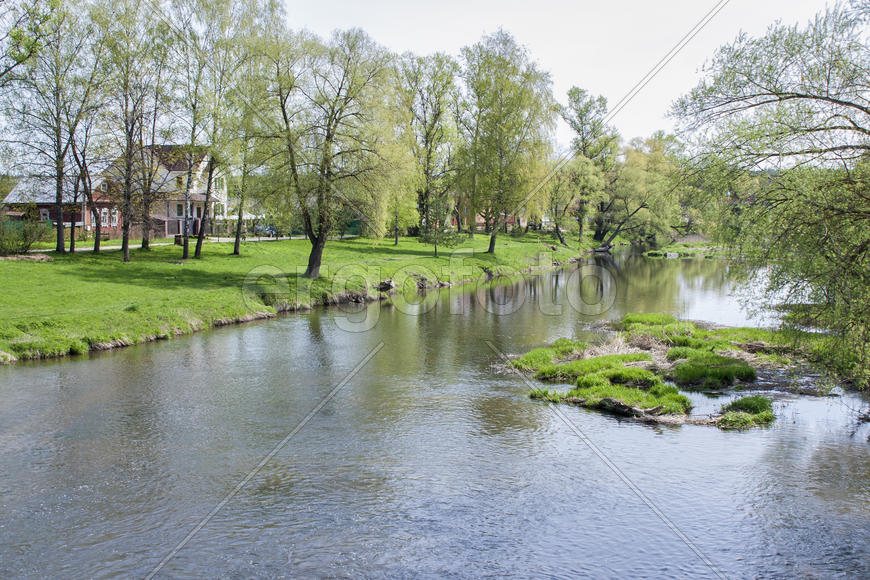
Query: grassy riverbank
[{"x": 76, "y": 303}]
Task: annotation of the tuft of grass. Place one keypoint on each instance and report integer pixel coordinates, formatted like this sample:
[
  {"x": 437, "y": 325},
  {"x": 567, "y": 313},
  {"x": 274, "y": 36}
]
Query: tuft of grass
[
  {"x": 540, "y": 357},
  {"x": 566, "y": 346},
  {"x": 546, "y": 395},
  {"x": 570, "y": 371},
  {"x": 667, "y": 397},
  {"x": 738, "y": 420},
  {"x": 535, "y": 359},
  {"x": 710, "y": 370},
  {"x": 753, "y": 405},
  {"x": 632, "y": 376},
  {"x": 647, "y": 319}
]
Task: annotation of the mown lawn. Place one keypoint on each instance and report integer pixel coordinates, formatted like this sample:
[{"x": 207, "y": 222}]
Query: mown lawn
[{"x": 80, "y": 302}]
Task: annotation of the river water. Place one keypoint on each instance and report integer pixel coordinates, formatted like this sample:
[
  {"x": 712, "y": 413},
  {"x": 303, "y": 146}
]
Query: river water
[{"x": 429, "y": 461}]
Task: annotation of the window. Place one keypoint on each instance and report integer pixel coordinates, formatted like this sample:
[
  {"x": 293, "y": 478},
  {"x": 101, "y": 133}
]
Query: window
[
  {"x": 179, "y": 209},
  {"x": 199, "y": 211},
  {"x": 114, "y": 218},
  {"x": 219, "y": 183},
  {"x": 44, "y": 215},
  {"x": 104, "y": 217},
  {"x": 179, "y": 182},
  {"x": 104, "y": 187}
]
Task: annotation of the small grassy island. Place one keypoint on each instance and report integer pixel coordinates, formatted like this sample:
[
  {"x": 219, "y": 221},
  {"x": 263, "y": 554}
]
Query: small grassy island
[{"x": 639, "y": 372}]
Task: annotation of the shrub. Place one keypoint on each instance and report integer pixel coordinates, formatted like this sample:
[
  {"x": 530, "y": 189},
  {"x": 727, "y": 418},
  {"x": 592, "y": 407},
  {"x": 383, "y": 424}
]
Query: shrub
[{"x": 17, "y": 237}]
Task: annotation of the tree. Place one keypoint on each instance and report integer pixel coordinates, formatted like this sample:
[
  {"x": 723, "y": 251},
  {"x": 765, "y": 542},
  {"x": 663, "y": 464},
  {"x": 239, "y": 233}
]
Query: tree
[
  {"x": 569, "y": 192},
  {"x": 55, "y": 90},
  {"x": 325, "y": 96},
  {"x": 426, "y": 91},
  {"x": 23, "y": 28},
  {"x": 791, "y": 107},
  {"x": 132, "y": 37},
  {"x": 506, "y": 118},
  {"x": 245, "y": 134}
]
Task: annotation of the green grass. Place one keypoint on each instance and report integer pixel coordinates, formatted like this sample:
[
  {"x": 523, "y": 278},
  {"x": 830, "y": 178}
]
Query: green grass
[
  {"x": 630, "y": 376},
  {"x": 77, "y": 302},
  {"x": 739, "y": 420},
  {"x": 49, "y": 243},
  {"x": 666, "y": 396},
  {"x": 666, "y": 399},
  {"x": 710, "y": 370},
  {"x": 570, "y": 371},
  {"x": 540, "y": 357},
  {"x": 753, "y": 405}
]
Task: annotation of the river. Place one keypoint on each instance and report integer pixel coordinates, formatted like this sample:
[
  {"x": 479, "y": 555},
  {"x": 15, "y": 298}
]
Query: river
[{"x": 428, "y": 461}]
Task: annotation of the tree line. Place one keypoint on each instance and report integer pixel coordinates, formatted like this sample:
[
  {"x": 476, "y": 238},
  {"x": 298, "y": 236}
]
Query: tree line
[{"x": 315, "y": 131}]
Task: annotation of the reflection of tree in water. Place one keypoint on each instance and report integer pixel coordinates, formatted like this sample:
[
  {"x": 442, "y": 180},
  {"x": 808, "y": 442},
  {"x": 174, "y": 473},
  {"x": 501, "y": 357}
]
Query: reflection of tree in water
[{"x": 661, "y": 285}]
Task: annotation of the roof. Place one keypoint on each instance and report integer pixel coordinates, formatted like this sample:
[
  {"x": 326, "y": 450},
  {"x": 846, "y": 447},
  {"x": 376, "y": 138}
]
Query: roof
[
  {"x": 39, "y": 189},
  {"x": 174, "y": 157}
]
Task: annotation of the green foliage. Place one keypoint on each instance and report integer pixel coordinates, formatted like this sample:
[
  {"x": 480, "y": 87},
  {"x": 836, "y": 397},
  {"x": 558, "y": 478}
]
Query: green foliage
[
  {"x": 778, "y": 102},
  {"x": 17, "y": 237},
  {"x": 753, "y": 405}
]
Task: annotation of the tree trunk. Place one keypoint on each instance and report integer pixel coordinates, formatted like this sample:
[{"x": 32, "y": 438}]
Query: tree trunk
[
  {"x": 146, "y": 223},
  {"x": 197, "y": 253},
  {"x": 59, "y": 248},
  {"x": 315, "y": 257},
  {"x": 125, "y": 230},
  {"x": 558, "y": 232},
  {"x": 237, "y": 246},
  {"x": 492, "y": 236},
  {"x": 72, "y": 231},
  {"x": 98, "y": 233}
]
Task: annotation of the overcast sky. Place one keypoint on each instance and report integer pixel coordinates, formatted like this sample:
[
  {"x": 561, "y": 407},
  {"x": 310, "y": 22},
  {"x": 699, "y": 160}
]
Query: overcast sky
[{"x": 604, "y": 47}]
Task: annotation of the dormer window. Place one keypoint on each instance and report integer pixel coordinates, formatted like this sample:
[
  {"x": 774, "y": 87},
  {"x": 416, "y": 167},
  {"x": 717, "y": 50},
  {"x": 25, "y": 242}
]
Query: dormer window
[
  {"x": 179, "y": 183},
  {"x": 104, "y": 187}
]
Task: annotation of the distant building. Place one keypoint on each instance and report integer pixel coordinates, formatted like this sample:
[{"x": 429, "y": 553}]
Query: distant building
[{"x": 168, "y": 179}]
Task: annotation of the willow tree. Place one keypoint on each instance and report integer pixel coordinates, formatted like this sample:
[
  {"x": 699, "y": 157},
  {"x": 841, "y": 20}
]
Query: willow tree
[
  {"x": 426, "y": 90},
  {"x": 506, "y": 119},
  {"x": 792, "y": 106},
  {"x": 324, "y": 97}
]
